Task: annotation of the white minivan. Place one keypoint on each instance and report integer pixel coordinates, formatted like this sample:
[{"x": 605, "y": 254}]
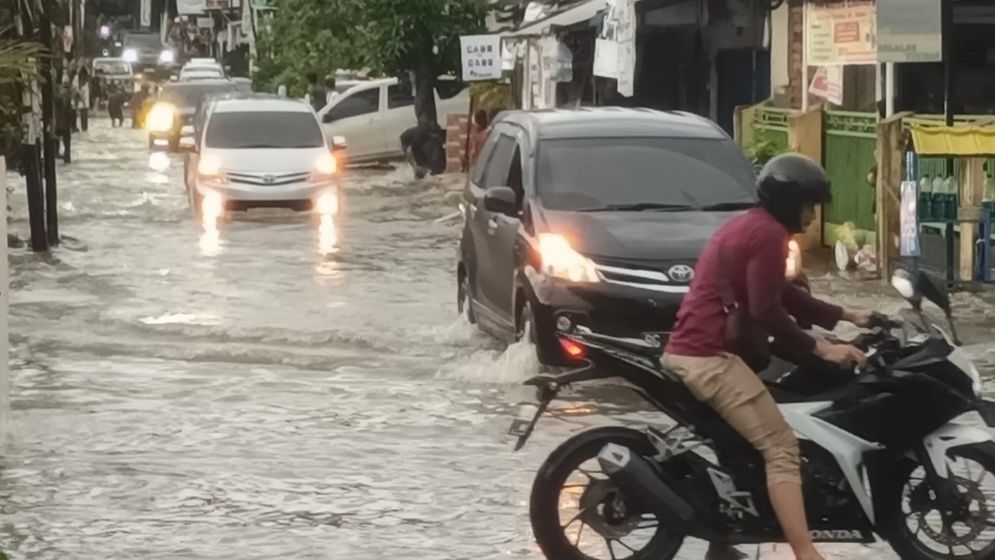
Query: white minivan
[{"x": 372, "y": 115}]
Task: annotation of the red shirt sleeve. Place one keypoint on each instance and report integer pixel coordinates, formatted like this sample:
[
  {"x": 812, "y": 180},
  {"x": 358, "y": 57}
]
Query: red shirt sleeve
[
  {"x": 764, "y": 288},
  {"x": 807, "y": 309}
]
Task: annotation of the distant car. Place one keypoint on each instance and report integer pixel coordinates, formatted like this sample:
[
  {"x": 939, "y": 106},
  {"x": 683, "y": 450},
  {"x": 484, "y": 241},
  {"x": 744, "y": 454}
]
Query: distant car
[
  {"x": 108, "y": 72},
  {"x": 593, "y": 218},
  {"x": 201, "y": 69},
  {"x": 146, "y": 53},
  {"x": 261, "y": 151},
  {"x": 175, "y": 109},
  {"x": 372, "y": 115}
]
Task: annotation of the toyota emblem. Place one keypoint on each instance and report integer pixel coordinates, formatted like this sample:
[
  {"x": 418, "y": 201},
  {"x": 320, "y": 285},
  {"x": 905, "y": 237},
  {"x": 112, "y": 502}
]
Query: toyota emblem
[
  {"x": 681, "y": 273},
  {"x": 269, "y": 179}
]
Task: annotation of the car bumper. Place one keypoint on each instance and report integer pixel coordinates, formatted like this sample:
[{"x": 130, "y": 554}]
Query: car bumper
[
  {"x": 240, "y": 195},
  {"x": 603, "y": 307}
]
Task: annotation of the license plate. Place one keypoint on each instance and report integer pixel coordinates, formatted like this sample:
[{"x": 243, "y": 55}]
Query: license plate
[{"x": 524, "y": 420}]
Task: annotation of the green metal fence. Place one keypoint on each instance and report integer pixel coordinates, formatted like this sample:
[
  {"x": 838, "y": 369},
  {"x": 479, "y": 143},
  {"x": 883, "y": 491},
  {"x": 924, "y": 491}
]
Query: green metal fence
[{"x": 848, "y": 146}]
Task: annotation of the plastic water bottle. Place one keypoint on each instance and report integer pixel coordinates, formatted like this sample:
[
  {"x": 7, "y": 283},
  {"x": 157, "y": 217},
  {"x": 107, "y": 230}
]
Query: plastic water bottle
[
  {"x": 939, "y": 201},
  {"x": 925, "y": 199},
  {"x": 951, "y": 188}
]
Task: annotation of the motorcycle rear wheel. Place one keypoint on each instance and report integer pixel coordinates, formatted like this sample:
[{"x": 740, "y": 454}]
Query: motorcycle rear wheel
[
  {"x": 906, "y": 529},
  {"x": 604, "y": 513}
]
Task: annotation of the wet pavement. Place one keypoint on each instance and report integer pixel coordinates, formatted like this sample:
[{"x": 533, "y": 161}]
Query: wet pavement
[{"x": 282, "y": 389}]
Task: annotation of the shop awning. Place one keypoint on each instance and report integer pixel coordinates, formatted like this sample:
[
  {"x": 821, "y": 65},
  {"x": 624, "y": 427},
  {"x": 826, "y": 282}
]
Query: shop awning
[
  {"x": 570, "y": 16},
  {"x": 954, "y": 140}
]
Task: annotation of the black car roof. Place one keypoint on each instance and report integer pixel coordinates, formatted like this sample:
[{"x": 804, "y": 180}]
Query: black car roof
[{"x": 614, "y": 122}]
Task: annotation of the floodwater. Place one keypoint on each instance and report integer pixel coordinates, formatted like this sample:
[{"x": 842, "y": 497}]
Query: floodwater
[{"x": 281, "y": 388}]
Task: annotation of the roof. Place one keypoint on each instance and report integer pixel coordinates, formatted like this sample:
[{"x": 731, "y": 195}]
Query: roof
[
  {"x": 251, "y": 103},
  {"x": 198, "y": 83},
  {"x": 614, "y": 122},
  {"x": 571, "y": 15}
]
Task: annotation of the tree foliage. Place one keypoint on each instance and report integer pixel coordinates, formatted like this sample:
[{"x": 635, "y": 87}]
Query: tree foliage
[{"x": 308, "y": 36}]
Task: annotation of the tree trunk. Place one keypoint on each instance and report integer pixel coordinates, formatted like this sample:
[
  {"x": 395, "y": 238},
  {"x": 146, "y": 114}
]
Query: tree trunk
[{"x": 425, "y": 91}]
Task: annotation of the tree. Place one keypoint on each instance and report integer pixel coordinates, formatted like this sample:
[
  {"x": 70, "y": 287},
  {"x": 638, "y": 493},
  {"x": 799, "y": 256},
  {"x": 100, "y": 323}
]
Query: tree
[
  {"x": 17, "y": 68},
  {"x": 307, "y": 36},
  {"x": 420, "y": 37}
]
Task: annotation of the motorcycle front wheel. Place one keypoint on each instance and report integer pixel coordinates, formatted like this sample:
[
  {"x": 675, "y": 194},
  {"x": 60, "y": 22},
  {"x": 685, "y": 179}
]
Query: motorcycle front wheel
[
  {"x": 577, "y": 513},
  {"x": 922, "y": 529}
]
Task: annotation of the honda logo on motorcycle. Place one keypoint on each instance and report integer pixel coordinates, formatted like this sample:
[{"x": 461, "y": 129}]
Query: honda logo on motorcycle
[
  {"x": 680, "y": 273},
  {"x": 837, "y": 535}
]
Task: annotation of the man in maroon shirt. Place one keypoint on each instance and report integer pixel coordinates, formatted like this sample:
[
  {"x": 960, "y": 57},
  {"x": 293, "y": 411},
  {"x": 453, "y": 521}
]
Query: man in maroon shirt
[{"x": 748, "y": 254}]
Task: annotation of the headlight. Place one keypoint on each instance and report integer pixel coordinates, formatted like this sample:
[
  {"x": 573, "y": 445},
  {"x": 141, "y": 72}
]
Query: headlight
[
  {"x": 167, "y": 57},
  {"x": 794, "y": 262},
  {"x": 160, "y": 118},
  {"x": 130, "y": 55},
  {"x": 560, "y": 260},
  {"x": 326, "y": 165},
  {"x": 209, "y": 168}
]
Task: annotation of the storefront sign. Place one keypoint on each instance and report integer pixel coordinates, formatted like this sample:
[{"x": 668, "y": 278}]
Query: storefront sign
[
  {"x": 828, "y": 84},
  {"x": 184, "y": 7},
  {"x": 910, "y": 31},
  {"x": 625, "y": 36},
  {"x": 909, "y": 217},
  {"x": 205, "y": 23},
  {"x": 840, "y": 34},
  {"x": 605, "y": 47},
  {"x": 481, "y": 56}
]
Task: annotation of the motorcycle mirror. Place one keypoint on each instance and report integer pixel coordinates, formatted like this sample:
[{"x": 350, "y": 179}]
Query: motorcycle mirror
[
  {"x": 903, "y": 283},
  {"x": 933, "y": 290}
]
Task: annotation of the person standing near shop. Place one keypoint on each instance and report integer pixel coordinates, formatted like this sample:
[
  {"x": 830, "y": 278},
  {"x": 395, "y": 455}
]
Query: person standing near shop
[{"x": 83, "y": 98}]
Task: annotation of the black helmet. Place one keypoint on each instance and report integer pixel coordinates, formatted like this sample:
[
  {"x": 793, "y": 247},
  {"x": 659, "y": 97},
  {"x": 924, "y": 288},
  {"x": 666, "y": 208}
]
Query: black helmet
[{"x": 787, "y": 183}]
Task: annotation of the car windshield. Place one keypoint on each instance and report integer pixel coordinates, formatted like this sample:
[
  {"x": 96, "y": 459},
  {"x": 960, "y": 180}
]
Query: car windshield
[
  {"x": 112, "y": 67},
  {"x": 149, "y": 40},
  {"x": 643, "y": 174},
  {"x": 189, "y": 96},
  {"x": 263, "y": 129}
]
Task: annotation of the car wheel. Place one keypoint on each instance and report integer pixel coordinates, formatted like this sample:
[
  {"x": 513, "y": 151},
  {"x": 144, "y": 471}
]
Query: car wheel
[{"x": 464, "y": 298}]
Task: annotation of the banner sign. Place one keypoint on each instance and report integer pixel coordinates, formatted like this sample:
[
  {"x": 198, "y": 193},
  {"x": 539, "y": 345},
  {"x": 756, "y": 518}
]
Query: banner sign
[
  {"x": 187, "y": 7},
  {"x": 909, "y": 216},
  {"x": 828, "y": 84},
  {"x": 481, "y": 57},
  {"x": 840, "y": 34},
  {"x": 910, "y": 31}
]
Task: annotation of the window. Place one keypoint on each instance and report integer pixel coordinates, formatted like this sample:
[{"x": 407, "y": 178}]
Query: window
[
  {"x": 477, "y": 175},
  {"x": 398, "y": 96},
  {"x": 360, "y": 103},
  {"x": 496, "y": 174},
  {"x": 189, "y": 96},
  {"x": 263, "y": 129},
  {"x": 600, "y": 173}
]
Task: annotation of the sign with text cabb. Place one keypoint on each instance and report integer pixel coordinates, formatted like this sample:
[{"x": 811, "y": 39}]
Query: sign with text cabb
[
  {"x": 840, "y": 34},
  {"x": 481, "y": 57},
  {"x": 910, "y": 30}
]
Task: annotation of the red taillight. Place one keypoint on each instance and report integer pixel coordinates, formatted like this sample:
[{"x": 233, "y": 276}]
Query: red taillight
[{"x": 573, "y": 350}]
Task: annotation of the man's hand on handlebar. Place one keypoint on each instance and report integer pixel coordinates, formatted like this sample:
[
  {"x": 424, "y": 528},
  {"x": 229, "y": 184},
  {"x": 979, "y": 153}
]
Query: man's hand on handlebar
[
  {"x": 863, "y": 319},
  {"x": 843, "y": 354}
]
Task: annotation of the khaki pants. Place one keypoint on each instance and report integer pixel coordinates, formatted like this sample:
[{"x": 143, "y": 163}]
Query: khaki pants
[{"x": 730, "y": 387}]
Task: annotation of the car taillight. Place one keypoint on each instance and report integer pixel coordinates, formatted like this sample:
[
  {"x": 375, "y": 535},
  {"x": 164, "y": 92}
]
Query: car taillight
[{"x": 573, "y": 350}]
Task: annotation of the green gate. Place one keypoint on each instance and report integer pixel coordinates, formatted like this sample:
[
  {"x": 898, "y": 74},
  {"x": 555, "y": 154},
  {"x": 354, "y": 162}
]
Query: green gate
[{"x": 849, "y": 140}]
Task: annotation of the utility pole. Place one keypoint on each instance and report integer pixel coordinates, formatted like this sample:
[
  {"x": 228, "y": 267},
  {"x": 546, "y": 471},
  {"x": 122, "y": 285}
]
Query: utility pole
[
  {"x": 30, "y": 152},
  {"x": 49, "y": 139}
]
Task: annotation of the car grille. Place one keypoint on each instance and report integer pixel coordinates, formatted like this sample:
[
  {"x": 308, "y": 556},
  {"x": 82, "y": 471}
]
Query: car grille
[
  {"x": 268, "y": 179},
  {"x": 667, "y": 277}
]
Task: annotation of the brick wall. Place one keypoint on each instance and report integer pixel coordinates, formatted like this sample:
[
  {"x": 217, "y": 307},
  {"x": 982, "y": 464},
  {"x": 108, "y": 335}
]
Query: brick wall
[{"x": 456, "y": 132}]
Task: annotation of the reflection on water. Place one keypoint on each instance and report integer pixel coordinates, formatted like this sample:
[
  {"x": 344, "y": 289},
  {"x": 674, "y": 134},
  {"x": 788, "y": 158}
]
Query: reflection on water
[
  {"x": 159, "y": 161},
  {"x": 328, "y": 238}
]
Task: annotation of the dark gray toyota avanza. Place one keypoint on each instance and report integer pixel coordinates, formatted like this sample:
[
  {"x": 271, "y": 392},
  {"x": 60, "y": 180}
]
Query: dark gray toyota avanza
[{"x": 592, "y": 217}]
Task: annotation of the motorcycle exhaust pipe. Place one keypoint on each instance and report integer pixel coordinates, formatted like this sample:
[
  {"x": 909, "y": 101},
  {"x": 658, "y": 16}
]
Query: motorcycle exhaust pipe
[{"x": 640, "y": 483}]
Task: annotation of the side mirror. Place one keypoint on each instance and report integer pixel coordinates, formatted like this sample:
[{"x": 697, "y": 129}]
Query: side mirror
[
  {"x": 501, "y": 200},
  {"x": 338, "y": 143},
  {"x": 934, "y": 291}
]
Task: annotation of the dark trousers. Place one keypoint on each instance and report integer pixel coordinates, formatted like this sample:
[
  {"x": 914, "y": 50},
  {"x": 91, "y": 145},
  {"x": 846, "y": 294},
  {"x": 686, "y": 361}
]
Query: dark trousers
[{"x": 84, "y": 119}]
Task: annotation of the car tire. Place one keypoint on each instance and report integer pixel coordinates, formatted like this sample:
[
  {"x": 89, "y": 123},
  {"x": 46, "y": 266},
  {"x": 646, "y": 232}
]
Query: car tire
[{"x": 464, "y": 298}]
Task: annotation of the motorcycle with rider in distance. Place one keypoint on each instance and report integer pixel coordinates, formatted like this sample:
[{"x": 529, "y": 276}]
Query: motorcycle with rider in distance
[{"x": 889, "y": 452}]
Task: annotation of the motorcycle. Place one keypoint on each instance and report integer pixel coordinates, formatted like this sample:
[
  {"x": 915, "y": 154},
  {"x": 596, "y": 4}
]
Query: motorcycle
[{"x": 883, "y": 452}]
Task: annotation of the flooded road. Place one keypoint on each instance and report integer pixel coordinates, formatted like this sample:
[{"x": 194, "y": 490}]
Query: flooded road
[{"x": 279, "y": 390}]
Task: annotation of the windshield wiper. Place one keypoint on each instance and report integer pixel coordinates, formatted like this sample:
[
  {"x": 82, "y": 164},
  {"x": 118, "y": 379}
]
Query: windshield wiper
[
  {"x": 728, "y": 206},
  {"x": 637, "y": 207}
]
